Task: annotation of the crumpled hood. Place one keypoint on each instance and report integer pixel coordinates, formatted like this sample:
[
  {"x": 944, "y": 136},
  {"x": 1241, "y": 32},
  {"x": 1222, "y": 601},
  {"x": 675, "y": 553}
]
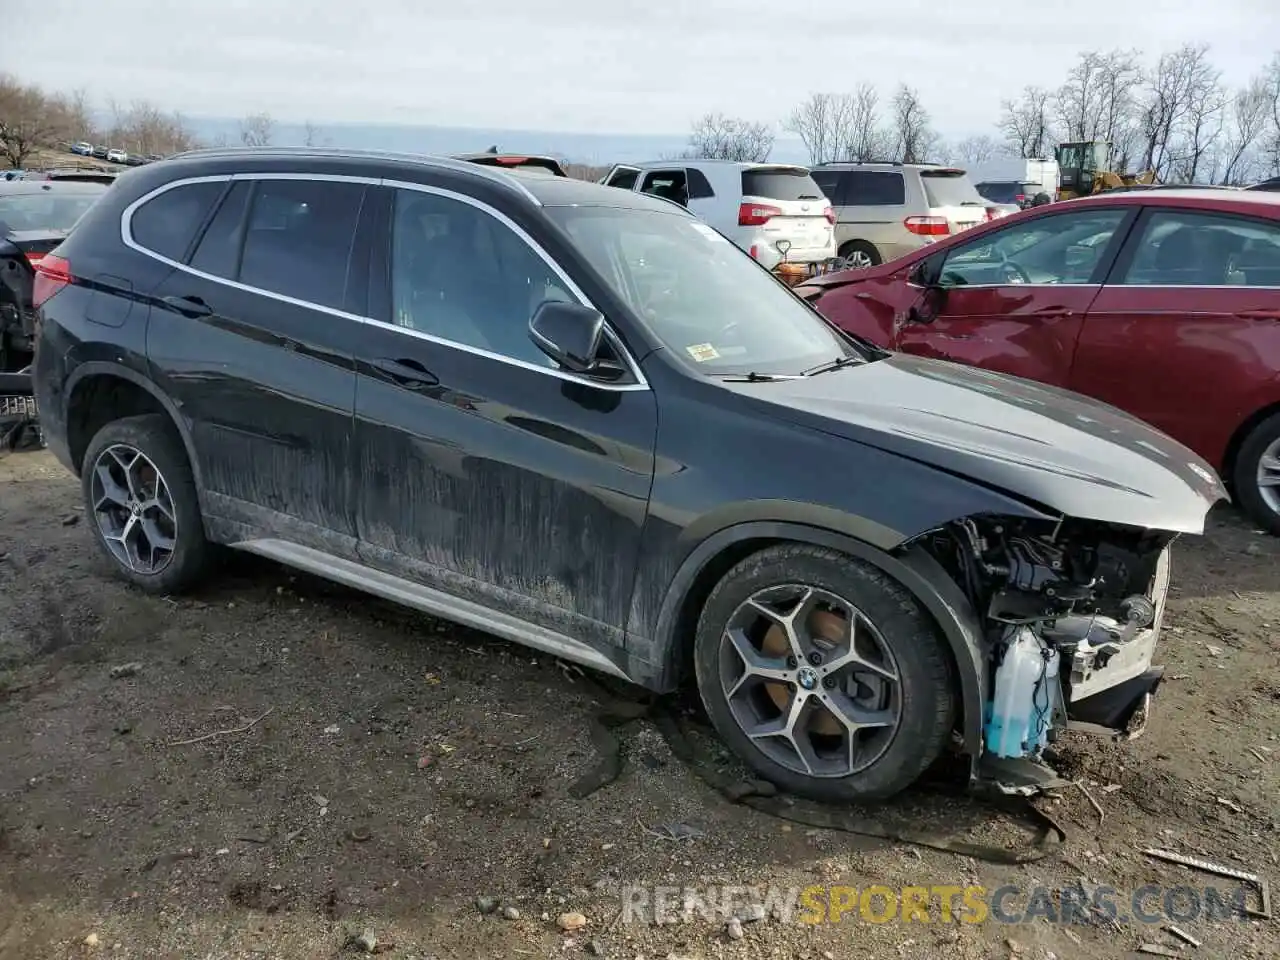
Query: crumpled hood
[{"x": 1074, "y": 455}]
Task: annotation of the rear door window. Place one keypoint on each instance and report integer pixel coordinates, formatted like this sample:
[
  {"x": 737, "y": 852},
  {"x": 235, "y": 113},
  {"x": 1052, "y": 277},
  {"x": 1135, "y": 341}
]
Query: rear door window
[
  {"x": 218, "y": 252},
  {"x": 298, "y": 238},
  {"x": 1180, "y": 248},
  {"x": 699, "y": 185},
  {"x": 780, "y": 184},
  {"x": 874, "y": 188},
  {"x": 669, "y": 184},
  {"x": 167, "y": 223}
]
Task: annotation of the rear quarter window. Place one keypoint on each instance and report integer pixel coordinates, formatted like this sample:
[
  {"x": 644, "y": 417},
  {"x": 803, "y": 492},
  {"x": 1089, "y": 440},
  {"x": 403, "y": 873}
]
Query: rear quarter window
[
  {"x": 166, "y": 224},
  {"x": 780, "y": 185}
]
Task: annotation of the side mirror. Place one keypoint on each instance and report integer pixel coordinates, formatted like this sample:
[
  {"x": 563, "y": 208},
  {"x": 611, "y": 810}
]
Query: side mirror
[
  {"x": 927, "y": 308},
  {"x": 568, "y": 333}
]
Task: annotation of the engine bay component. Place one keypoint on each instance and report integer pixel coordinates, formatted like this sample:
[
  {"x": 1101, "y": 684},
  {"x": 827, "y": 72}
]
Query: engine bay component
[{"x": 1073, "y": 611}]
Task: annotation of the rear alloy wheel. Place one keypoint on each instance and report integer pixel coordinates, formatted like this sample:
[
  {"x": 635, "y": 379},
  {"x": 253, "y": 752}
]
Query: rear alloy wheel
[
  {"x": 859, "y": 255},
  {"x": 141, "y": 499},
  {"x": 823, "y": 674},
  {"x": 1257, "y": 474}
]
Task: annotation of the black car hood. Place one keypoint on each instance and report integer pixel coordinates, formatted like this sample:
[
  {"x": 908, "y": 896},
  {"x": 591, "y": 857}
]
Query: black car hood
[{"x": 1054, "y": 448}]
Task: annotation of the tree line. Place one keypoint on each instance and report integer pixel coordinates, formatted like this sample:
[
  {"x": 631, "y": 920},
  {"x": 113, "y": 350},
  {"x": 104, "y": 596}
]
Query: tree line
[
  {"x": 1173, "y": 115},
  {"x": 32, "y": 119}
]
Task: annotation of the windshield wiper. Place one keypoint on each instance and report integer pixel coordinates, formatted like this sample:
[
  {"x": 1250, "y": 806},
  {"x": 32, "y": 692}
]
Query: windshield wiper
[
  {"x": 835, "y": 364},
  {"x": 754, "y": 377}
]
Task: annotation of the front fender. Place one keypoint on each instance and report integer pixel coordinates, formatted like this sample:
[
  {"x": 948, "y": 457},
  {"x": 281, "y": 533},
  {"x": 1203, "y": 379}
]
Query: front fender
[{"x": 921, "y": 575}]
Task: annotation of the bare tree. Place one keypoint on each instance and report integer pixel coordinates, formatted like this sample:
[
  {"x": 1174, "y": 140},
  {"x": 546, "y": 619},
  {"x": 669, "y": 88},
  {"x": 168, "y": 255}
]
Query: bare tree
[
  {"x": 976, "y": 150},
  {"x": 310, "y": 134},
  {"x": 1025, "y": 122},
  {"x": 1170, "y": 91},
  {"x": 1097, "y": 101},
  {"x": 1272, "y": 86},
  {"x": 816, "y": 122},
  {"x": 1202, "y": 123},
  {"x": 144, "y": 128},
  {"x": 30, "y": 119},
  {"x": 717, "y": 137},
  {"x": 914, "y": 137},
  {"x": 256, "y": 130},
  {"x": 1246, "y": 124}
]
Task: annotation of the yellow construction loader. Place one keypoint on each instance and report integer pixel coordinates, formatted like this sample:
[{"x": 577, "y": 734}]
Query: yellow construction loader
[{"x": 1085, "y": 168}]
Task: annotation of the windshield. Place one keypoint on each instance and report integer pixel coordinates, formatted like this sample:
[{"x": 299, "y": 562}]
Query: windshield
[
  {"x": 949, "y": 188},
  {"x": 701, "y": 296},
  {"x": 50, "y": 212}
]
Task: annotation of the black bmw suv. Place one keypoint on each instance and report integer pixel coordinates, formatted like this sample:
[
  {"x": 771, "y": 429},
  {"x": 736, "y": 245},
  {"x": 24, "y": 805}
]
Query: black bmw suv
[{"x": 581, "y": 419}]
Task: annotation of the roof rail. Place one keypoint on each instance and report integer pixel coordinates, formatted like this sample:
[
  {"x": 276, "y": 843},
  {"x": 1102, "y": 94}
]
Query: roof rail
[{"x": 494, "y": 174}]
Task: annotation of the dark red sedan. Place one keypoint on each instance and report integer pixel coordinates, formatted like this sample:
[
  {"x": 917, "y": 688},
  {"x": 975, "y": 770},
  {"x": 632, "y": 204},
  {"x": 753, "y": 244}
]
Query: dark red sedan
[{"x": 1164, "y": 303}]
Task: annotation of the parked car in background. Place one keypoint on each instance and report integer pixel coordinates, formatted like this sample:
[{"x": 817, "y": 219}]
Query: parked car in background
[
  {"x": 1018, "y": 193},
  {"x": 1041, "y": 174},
  {"x": 100, "y": 152},
  {"x": 1272, "y": 184},
  {"x": 153, "y": 157},
  {"x": 1165, "y": 303},
  {"x": 14, "y": 174},
  {"x": 35, "y": 216},
  {"x": 116, "y": 155},
  {"x": 83, "y": 148},
  {"x": 391, "y": 371},
  {"x": 525, "y": 163},
  {"x": 886, "y": 210},
  {"x": 73, "y": 174},
  {"x": 765, "y": 208}
]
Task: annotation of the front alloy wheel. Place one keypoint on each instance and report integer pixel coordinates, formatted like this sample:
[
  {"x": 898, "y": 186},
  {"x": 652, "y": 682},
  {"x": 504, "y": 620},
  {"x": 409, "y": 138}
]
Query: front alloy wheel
[
  {"x": 823, "y": 674},
  {"x": 810, "y": 681}
]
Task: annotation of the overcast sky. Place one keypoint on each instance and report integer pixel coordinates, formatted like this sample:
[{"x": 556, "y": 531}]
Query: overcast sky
[{"x": 592, "y": 65}]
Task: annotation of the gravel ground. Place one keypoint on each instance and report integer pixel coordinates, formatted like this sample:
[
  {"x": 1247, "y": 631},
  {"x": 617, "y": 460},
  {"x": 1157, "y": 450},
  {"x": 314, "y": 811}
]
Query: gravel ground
[{"x": 390, "y": 769}]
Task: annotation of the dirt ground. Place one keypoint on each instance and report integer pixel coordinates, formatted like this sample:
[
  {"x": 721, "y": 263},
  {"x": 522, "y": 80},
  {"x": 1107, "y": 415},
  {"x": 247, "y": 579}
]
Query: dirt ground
[{"x": 400, "y": 768}]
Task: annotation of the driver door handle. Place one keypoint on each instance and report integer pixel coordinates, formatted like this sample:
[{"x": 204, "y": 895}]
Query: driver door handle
[
  {"x": 407, "y": 372},
  {"x": 1055, "y": 313}
]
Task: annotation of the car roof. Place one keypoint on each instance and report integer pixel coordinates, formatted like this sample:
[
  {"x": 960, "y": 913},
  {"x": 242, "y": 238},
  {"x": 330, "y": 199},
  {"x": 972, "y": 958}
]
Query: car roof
[
  {"x": 541, "y": 189},
  {"x": 1259, "y": 201},
  {"x": 700, "y": 162},
  {"x": 10, "y": 188}
]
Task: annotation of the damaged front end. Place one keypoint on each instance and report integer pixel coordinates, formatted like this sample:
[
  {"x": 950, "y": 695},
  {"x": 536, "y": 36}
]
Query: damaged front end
[{"x": 1071, "y": 612}]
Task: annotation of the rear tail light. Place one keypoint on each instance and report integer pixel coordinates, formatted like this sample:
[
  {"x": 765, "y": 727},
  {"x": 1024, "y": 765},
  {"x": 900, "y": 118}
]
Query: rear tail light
[
  {"x": 756, "y": 214},
  {"x": 830, "y": 214},
  {"x": 52, "y": 274},
  {"x": 1020, "y": 198},
  {"x": 928, "y": 226},
  {"x": 755, "y": 253},
  {"x": 34, "y": 258}
]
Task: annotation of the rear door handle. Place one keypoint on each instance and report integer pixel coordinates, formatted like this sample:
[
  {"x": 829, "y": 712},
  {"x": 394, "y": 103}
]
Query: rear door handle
[
  {"x": 1259, "y": 314},
  {"x": 188, "y": 306},
  {"x": 1055, "y": 313},
  {"x": 407, "y": 372}
]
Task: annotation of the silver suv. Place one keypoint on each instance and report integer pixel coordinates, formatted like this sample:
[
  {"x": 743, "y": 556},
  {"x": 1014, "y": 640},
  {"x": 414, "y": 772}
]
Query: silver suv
[{"x": 885, "y": 210}]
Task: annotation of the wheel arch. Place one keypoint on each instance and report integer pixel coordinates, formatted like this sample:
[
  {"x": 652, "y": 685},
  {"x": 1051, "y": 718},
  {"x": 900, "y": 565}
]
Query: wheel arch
[
  {"x": 140, "y": 395},
  {"x": 913, "y": 568},
  {"x": 1240, "y": 434}
]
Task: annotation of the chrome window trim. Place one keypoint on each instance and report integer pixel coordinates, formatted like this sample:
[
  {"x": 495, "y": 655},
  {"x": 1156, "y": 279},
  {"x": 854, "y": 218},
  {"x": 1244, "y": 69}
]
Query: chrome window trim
[{"x": 126, "y": 236}]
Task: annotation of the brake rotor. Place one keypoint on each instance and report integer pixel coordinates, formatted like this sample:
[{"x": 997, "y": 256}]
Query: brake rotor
[{"x": 822, "y": 625}]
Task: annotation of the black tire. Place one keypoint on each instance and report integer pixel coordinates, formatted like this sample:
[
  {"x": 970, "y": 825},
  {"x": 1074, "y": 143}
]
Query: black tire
[
  {"x": 1245, "y": 474},
  {"x": 864, "y": 248},
  {"x": 154, "y": 436},
  {"x": 926, "y": 678}
]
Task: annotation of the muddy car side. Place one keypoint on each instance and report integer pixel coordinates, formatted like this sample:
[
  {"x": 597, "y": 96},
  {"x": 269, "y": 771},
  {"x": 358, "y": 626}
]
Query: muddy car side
[{"x": 479, "y": 400}]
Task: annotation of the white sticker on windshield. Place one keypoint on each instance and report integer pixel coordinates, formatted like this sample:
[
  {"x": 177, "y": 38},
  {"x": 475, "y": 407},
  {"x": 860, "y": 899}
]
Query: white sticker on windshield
[
  {"x": 702, "y": 352},
  {"x": 707, "y": 232}
]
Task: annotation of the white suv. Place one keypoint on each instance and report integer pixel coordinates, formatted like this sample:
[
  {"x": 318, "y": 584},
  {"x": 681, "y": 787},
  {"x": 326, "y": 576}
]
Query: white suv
[{"x": 765, "y": 208}]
